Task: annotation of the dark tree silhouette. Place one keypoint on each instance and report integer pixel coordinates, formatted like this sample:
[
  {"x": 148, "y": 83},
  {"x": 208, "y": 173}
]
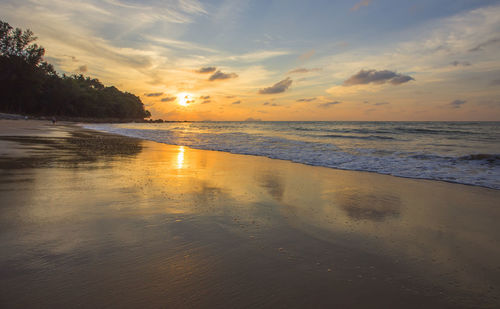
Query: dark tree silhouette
[{"x": 29, "y": 85}]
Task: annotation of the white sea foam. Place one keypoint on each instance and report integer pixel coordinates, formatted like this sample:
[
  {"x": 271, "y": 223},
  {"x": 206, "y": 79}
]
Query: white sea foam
[{"x": 466, "y": 153}]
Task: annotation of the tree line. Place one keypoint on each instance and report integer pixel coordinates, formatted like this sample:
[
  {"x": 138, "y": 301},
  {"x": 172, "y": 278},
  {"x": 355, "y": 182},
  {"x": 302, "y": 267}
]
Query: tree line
[{"x": 31, "y": 86}]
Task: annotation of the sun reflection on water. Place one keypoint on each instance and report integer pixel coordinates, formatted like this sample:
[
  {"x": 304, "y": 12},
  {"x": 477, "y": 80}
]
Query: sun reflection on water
[{"x": 180, "y": 158}]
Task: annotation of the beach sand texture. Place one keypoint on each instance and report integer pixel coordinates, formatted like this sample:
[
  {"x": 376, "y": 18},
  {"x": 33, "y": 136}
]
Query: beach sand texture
[{"x": 96, "y": 220}]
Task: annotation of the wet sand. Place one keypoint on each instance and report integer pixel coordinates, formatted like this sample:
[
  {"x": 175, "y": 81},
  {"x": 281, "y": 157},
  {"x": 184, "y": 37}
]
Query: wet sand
[{"x": 95, "y": 220}]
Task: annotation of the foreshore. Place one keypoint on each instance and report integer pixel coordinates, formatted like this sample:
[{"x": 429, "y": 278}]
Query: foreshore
[
  {"x": 5, "y": 116},
  {"x": 89, "y": 219}
]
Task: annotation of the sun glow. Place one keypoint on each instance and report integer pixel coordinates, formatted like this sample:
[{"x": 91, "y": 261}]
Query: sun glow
[{"x": 185, "y": 98}]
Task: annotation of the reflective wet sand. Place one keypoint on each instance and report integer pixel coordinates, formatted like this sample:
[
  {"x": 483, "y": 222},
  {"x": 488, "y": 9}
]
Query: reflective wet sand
[{"x": 96, "y": 220}]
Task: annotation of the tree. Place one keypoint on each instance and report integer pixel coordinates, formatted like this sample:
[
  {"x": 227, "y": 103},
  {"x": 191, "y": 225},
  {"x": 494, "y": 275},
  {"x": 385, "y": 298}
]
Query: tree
[
  {"x": 32, "y": 86},
  {"x": 17, "y": 43}
]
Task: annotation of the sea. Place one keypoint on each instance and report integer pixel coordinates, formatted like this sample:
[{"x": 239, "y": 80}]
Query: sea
[{"x": 460, "y": 152}]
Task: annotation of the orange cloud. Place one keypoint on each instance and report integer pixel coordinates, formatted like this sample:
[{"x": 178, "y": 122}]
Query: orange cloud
[
  {"x": 307, "y": 55},
  {"x": 360, "y": 4}
]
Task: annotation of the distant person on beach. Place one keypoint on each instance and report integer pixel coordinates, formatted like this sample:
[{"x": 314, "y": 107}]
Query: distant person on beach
[{"x": 54, "y": 120}]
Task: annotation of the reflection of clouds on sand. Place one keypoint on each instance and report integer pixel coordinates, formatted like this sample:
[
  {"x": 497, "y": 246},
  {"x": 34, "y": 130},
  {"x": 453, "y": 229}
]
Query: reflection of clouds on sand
[
  {"x": 273, "y": 185},
  {"x": 207, "y": 196},
  {"x": 369, "y": 206}
]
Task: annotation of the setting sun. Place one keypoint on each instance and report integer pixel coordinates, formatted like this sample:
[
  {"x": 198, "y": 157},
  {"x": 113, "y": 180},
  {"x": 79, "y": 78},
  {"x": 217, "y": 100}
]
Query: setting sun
[{"x": 185, "y": 98}]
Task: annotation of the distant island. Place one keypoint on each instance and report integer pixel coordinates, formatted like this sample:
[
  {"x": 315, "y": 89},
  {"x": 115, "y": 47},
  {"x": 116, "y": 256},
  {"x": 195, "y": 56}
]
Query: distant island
[{"x": 31, "y": 86}]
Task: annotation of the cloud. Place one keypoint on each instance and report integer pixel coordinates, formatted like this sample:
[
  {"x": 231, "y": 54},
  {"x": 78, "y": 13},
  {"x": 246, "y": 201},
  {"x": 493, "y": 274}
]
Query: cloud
[
  {"x": 168, "y": 99},
  {"x": 377, "y": 77},
  {"x": 206, "y": 70},
  {"x": 180, "y": 12},
  {"x": 270, "y": 104},
  {"x": 279, "y": 87},
  {"x": 481, "y": 46},
  {"x": 53, "y": 60},
  {"x": 170, "y": 43},
  {"x": 305, "y": 56},
  {"x": 360, "y": 4},
  {"x": 457, "y": 63},
  {"x": 192, "y": 7},
  {"x": 495, "y": 82},
  {"x": 206, "y": 97},
  {"x": 236, "y": 102},
  {"x": 328, "y": 104},
  {"x": 154, "y": 94},
  {"x": 306, "y": 100},
  {"x": 401, "y": 79},
  {"x": 82, "y": 68},
  {"x": 81, "y": 28},
  {"x": 381, "y": 103},
  {"x": 219, "y": 75},
  {"x": 304, "y": 70},
  {"x": 206, "y": 101},
  {"x": 258, "y": 55},
  {"x": 253, "y": 119},
  {"x": 457, "y": 103}
]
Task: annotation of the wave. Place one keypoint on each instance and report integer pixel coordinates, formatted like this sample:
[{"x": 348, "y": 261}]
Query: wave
[
  {"x": 429, "y": 157},
  {"x": 370, "y": 137},
  {"x": 490, "y": 158},
  {"x": 389, "y": 130},
  {"x": 433, "y": 131},
  {"x": 398, "y": 158},
  {"x": 358, "y": 131}
]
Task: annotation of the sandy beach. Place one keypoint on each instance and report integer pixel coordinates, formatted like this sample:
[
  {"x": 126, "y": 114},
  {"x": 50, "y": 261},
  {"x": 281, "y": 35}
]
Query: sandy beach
[{"x": 89, "y": 219}]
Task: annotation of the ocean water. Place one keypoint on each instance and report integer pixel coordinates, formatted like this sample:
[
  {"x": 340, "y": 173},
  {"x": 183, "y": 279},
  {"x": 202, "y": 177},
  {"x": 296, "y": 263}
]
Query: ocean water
[{"x": 461, "y": 152}]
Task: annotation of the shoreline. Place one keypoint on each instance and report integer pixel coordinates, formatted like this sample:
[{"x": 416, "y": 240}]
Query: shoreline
[
  {"x": 130, "y": 222},
  {"x": 81, "y": 125},
  {"x": 393, "y": 174},
  {"x": 313, "y": 165}
]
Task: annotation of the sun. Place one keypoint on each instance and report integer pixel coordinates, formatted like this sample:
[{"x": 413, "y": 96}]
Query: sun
[{"x": 185, "y": 98}]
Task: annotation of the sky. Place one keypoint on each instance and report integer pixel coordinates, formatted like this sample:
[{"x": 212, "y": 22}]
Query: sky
[{"x": 280, "y": 60}]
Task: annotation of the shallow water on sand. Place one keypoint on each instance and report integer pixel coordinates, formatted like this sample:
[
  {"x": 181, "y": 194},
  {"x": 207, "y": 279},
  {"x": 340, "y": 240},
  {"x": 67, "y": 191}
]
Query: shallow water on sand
[
  {"x": 141, "y": 224},
  {"x": 461, "y": 152}
]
